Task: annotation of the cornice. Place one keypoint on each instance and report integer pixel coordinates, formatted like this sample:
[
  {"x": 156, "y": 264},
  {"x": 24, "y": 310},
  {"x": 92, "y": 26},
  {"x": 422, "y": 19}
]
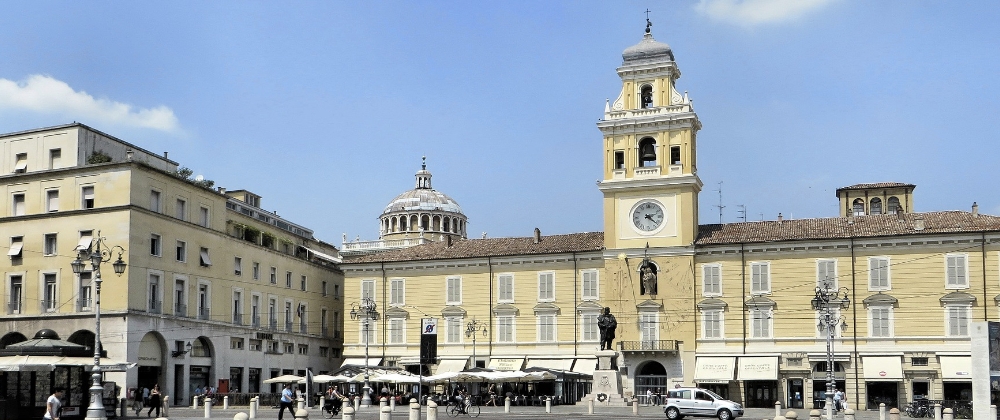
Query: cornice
[
  {"x": 666, "y": 181},
  {"x": 650, "y": 124},
  {"x": 471, "y": 264},
  {"x": 825, "y": 246}
]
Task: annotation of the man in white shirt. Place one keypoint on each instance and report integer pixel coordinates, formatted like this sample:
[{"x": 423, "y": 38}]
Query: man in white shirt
[
  {"x": 54, "y": 405},
  {"x": 287, "y": 400}
]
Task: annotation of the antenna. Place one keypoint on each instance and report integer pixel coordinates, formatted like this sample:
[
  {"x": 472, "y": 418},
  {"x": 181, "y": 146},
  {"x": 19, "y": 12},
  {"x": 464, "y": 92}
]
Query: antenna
[
  {"x": 742, "y": 212},
  {"x": 720, "y": 206}
]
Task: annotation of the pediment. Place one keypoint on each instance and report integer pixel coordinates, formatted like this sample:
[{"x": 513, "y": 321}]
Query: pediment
[
  {"x": 649, "y": 305},
  {"x": 760, "y": 302},
  {"x": 880, "y": 299},
  {"x": 453, "y": 312},
  {"x": 546, "y": 308},
  {"x": 712, "y": 303},
  {"x": 396, "y": 312},
  {"x": 505, "y": 309},
  {"x": 958, "y": 298}
]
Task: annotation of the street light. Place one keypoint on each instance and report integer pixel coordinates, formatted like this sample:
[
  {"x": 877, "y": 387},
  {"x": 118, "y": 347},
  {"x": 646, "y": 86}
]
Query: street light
[
  {"x": 827, "y": 299},
  {"x": 472, "y": 329},
  {"x": 98, "y": 253},
  {"x": 366, "y": 311}
]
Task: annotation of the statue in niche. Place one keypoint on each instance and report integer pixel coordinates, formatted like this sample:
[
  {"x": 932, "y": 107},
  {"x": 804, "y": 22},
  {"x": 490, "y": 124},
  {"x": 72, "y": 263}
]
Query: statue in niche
[
  {"x": 607, "y": 324},
  {"x": 647, "y": 273}
]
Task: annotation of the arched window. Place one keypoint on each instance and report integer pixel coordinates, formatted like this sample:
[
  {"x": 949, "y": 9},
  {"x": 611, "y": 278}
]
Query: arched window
[
  {"x": 859, "y": 207},
  {"x": 413, "y": 222},
  {"x": 894, "y": 205},
  {"x": 646, "y": 97},
  {"x": 876, "y": 206},
  {"x": 201, "y": 348},
  {"x": 447, "y": 224},
  {"x": 437, "y": 223},
  {"x": 647, "y": 152},
  {"x": 402, "y": 223},
  {"x": 821, "y": 367},
  {"x": 425, "y": 222}
]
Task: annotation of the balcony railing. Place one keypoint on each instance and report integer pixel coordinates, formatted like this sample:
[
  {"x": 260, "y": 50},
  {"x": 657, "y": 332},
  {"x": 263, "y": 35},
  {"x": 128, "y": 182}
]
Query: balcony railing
[
  {"x": 255, "y": 321},
  {"x": 14, "y": 307},
  {"x": 180, "y": 309},
  {"x": 303, "y": 329},
  {"x": 325, "y": 331},
  {"x": 203, "y": 313},
  {"x": 237, "y": 318},
  {"x": 155, "y": 306},
  {"x": 648, "y": 345},
  {"x": 47, "y": 305},
  {"x": 288, "y": 326},
  {"x": 273, "y": 324},
  {"x": 83, "y": 305}
]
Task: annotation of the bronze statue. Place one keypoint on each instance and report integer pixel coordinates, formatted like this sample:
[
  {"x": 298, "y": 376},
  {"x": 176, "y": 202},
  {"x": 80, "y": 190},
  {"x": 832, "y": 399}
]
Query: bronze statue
[{"x": 607, "y": 324}]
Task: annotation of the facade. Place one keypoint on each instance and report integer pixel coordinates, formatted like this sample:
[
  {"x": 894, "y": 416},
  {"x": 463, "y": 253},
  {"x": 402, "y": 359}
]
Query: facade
[
  {"x": 724, "y": 306},
  {"x": 217, "y": 291}
]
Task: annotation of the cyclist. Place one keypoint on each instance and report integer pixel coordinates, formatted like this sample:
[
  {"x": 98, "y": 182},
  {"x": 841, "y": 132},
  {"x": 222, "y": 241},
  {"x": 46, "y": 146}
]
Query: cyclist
[{"x": 461, "y": 398}]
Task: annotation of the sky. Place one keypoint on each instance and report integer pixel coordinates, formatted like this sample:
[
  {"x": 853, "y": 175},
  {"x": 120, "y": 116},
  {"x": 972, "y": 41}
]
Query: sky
[{"x": 325, "y": 108}]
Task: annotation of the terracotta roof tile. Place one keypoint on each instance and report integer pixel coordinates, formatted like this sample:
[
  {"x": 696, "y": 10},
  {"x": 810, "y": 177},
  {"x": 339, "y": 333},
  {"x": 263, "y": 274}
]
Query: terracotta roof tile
[
  {"x": 875, "y": 185},
  {"x": 489, "y": 247}
]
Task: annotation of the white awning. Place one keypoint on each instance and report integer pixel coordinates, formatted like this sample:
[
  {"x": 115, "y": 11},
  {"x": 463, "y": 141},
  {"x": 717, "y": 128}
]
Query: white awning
[
  {"x": 15, "y": 249},
  {"x": 714, "y": 370},
  {"x": 323, "y": 256},
  {"x": 204, "y": 258},
  {"x": 48, "y": 363},
  {"x": 561, "y": 364},
  {"x": 84, "y": 242},
  {"x": 21, "y": 165},
  {"x": 759, "y": 368},
  {"x": 882, "y": 368},
  {"x": 360, "y": 361},
  {"x": 585, "y": 366},
  {"x": 510, "y": 363},
  {"x": 956, "y": 368},
  {"x": 451, "y": 365}
]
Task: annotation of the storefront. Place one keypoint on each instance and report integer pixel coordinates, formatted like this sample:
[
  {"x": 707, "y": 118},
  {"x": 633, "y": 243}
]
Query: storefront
[
  {"x": 883, "y": 376},
  {"x": 715, "y": 373},
  {"x": 819, "y": 382},
  {"x": 759, "y": 375},
  {"x": 956, "y": 377}
]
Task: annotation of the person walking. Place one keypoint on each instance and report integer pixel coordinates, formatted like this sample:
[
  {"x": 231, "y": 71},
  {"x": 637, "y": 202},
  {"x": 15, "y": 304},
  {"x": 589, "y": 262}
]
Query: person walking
[
  {"x": 838, "y": 397},
  {"x": 287, "y": 400},
  {"x": 154, "y": 400},
  {"x": 53, "y": 405},
  {"x": 145, "y": 396}
]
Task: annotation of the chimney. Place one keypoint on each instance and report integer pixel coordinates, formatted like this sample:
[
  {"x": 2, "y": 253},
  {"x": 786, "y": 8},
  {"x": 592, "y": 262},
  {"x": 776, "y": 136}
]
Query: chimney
[
  {"x": 918, "y": 224},
  {"x": 165, "y": 154},
  {"x": 222, "y": 190},
  {"x": 975, "y": 209},
  {"x": 538, "y": 235},
  {"x": 780, "y": 218}
]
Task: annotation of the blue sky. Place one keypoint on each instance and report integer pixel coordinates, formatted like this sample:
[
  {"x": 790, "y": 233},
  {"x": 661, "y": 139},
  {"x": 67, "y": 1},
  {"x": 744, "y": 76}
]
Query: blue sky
[{"x": 325, "y": 108}]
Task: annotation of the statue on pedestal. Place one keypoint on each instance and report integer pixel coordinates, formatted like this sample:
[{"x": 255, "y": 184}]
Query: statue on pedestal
[{"x": 607, "y": 324}]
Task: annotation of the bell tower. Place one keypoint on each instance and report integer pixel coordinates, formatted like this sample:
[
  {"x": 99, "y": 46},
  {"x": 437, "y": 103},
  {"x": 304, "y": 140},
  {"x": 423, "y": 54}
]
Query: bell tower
[{"x": 650, "y": 181}]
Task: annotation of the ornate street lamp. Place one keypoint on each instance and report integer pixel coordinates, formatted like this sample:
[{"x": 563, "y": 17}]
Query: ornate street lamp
[
  {"x": 98, "y": 253},
  {"x": 826, "y": 299},
  {"x": 366, "y": 311},
  {"x": 472, "y": 329}
]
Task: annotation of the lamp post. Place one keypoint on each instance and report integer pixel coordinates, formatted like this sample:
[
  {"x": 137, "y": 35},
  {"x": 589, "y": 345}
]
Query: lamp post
[
  {"x": 366, "y": 311},
  {"x": 98, "y": 253},
  {"x": 472, "y": 329},
  {"x": 826, "y": 299}
]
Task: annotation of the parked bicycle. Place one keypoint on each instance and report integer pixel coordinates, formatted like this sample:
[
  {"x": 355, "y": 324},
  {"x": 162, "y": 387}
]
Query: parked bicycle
[
  {"x": 919, "y": 409},
  {"x": 467, "y": 406}
]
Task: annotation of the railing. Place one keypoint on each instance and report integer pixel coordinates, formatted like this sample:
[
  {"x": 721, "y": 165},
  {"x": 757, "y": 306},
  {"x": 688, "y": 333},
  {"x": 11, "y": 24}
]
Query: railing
[
  {"x": 381, "y": 244},
  {"x": 648, "y": 345},
  {"x": 273, "y": 324},
  {"x": 647, "y": 112},
  {"x": 255, "y": 321},
  {"x": 237, "y": 318},
  {"x": 83, "y": 305},
  {"x": 288, "y": 326},
  {"x": 303, "y": 329},
  {"x": 155, "y": 306},
  {"x": 203, "y": 313},
  {"x": 180, "y": 309},
  {"x": 47, "y": 305},
  {"x": 647, "y": 171},
  {"x": 325, "y": 331},
  {"x": 14, "y": 307}
]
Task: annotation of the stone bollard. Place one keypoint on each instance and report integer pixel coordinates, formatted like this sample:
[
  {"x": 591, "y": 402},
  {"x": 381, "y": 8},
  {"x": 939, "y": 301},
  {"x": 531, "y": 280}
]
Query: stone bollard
[
  {"x": 779, "y": 417},
  {"x": 635, "y": 406},
  {"x": 348, "y": 413},
  {"x": 937, "y": 411},
  {"x": 993, "y": 411},
  {"x": 357, "y": 403},
  {"x": 383, "y": 402},
  {"x": 948, "y": 414},
  {"x": 194, "y": 402},
  {"x": 225, "y": 402},
  {"x": 894, "y": 414},
  {"x": 392, "y": 403},
  {"x": 432, "y": 410},
  {"x": 163, "y": 409},
  {"x": 791, "y": 415},
  {"x": 208, "y": 408},
  {"x": 590, "y": 405},
  {"x": 414, "y": 409},
  {"x": 301, "y": 413},
  {"x": 241, "y": 416},
  {"x": 506, "y": 405},
  {"x": 300, "y": 403},
  {"x": 881, "y": 411},
  {"x": 253, "y": 407},
  {"x": 122, "y": 408},
  {"x": 385, "y": 413},
  {"x": 777, "y": 409},
  {"x": 548, "y": 404},
  {"x": 848, "y": 414},
  {"x": 322, "y": 401}
]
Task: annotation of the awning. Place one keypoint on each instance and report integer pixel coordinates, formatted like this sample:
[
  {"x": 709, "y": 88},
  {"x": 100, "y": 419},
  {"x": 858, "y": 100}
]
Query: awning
[
  {"x": 84, "y": 242},
  {"x": 323, "y": 256},
  {"x": 204, "y": 258},
  {"x": 408, "y": 360},
  {"x": 759, "y": 368},
  {"x": 561, "y": 364},
  {"x": 451, "y": 365},
  {"x": 585, "y": 366},
  {"x": 360, "y": 361},
  {"x": 956, "y": 368},
  {"x": 15, "y": 249},
  {"x": 21, "y": 165},
  {"x": 714, "y": 370},
  {"x": 882, "y": 368},
  {"x": 48, "y": 363},
  {"x": 506, "y": 364}
]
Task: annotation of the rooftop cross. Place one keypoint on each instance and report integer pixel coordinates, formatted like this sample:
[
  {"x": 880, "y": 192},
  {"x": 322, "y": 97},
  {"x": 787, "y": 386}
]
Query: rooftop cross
[{"x": 648, "y": 23}]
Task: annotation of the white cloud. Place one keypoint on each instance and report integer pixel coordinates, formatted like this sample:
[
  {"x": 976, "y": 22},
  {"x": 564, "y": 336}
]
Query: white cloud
[
  {"x": 47, "y": 95},
  {"x": 758, "y": 12}
]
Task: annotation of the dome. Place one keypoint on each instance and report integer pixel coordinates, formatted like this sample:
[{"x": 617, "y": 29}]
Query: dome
[
  {"x": 424, "y": 199},
  {"x": 647, "y": 50},
  {"x": 422, "y": 211}
]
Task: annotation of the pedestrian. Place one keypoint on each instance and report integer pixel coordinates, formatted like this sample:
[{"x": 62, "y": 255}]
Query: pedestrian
[
  {"x": 838, "y": 397},
  {"x": 287, "y": 397},
  {"x": 649, "y": 396},
  {"x": 145, "y": 396},
  {"x": 154, "y": 400},
  {"x": 53, "y": 406},
  {"x": 133, "y": 394}
]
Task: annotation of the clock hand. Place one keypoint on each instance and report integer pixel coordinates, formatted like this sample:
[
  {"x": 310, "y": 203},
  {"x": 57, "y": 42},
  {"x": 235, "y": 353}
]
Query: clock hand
[{"x": 650, "y": 217}]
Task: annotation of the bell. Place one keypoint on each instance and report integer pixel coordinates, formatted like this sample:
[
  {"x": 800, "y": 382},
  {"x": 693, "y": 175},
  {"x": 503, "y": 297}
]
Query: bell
[{"x": 648, "y": 152}]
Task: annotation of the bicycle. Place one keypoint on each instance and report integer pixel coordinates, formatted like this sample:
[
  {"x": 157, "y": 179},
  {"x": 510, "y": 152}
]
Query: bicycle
[
  {"x": 471, "y": 408},
  {"x": 331, "y": 408}
]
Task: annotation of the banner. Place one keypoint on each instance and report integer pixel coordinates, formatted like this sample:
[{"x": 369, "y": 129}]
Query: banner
[{"x": 428, "y": 341}]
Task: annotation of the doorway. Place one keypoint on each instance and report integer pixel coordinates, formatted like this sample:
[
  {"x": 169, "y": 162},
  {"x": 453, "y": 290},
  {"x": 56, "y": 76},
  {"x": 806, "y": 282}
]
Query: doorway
[
  {"x": 882, "y": 392},
  {"x": 795, "y": 391},
  {"x": 761, "y": 394},
  {"x": 651, "y": 376}
]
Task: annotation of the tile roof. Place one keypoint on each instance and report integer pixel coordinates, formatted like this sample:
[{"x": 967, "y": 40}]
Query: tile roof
[
  {"x": 489, "y": 247},
  {"x": 845, "y": 227},
  {"x": 875, "y": 185}
]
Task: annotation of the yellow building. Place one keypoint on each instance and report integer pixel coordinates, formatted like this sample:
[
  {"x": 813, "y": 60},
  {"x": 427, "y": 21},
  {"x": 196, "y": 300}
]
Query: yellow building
[
  {"x": 217, "y": 291},
  {"x": 731, "y": 306}
]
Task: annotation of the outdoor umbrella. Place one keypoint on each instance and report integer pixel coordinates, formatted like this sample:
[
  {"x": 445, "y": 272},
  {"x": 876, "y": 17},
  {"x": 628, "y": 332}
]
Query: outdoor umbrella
[
  {"x": 322, "y": 379},
  {"x": 284, "y": 379}
]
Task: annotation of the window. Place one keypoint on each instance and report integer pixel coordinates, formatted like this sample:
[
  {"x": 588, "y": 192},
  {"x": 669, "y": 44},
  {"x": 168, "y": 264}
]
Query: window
[
  {"x": 181, "y": 251},
  {"x": 368, "y": 289},
  {"x": 255, "y": 345},
  {"x": 323, "y": 288},
  {"x": 255, "y": 270},
  {"x": 52, "y": 200},
  {"x": 155, "y": 302},
  {"x": 546, "y": 286},
  {"x": 236, "y": 343},
  {"x": 154, "y": 245},
  {"x": 87, "y": 197},
  {"x": 761, "y": 323},
  {"x": 288, "y": 279},
  {"x": 590, "y": 285},
  {"x": 619, "y": 159},
  {"x": 647, "y": 152},
  {"x": 919, "y": 361},
  {"x": 878, "y": 273},
  {"x": 274, "y": 275},
  {"x": 588, "y": 323},
  {"x": 85, "y": 291},
  {"x": 55, "y": 158},
  {"x": 957, "y": 271},
  {"x": 302, "y": 283},
  {"x": 396, "y": 292},
  {"x": 324, "y": 351},
  {"x": 711, "y": 324},
  {"x": 876, "y": 205},
  {"x": 238, "y": 266},
  {"x": 50, "y": 302},
  {"x": 648, "y": 327},
  {"x": 546, "y": 328},
  {"x": 760, "y": 277},
  {"x": 20, "y": 163},
  {"x": 203, "y": 220},
  {"x": 180, "y": 298},
  {"x": 50, "y": 244},
  {"x": 454, "y": 291},
  {"x": 880, "y": 321},
  {"x": 646, "y": 97},
  {"x": 16, "y": 244},
  {"x": 505, "y": 288},
  {"x": 181, "y": 209},
  {"x": 711, "y": 279},
  {"x": 958, "y": 320},
  {"x": 859, "y": 207},
  {"x": 205, "y": 261},
  {"x": 17, "y": 204},
  {"x": 505, "y": 329},
  {"x": 894, "y": 206},
  {"x": 154, "y": 201},
  {"x": 16, "y": 295},
  {"x": 454, "y": 332},
  {"x": 289, "y": 348},
  {"x": 204, "y": 301},
  {"x": 675, "y": 155},
  {"x": 396, "y": 328},
  {"x": 826, "y": 274},
  {"x": 336, "y": 291},
  {"x": 238, "y": 307},
  {"x": 255, "y": 311},
  {"x": 303, "y": 349}
]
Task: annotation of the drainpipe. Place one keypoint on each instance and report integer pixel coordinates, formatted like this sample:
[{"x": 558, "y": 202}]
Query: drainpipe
[
  {"x": 576, "y": 316},
  {"x": 985, "y": 302},
  {"x": 489, "y": 263},
  {"x": 854, "y": 297},
  {"x": 743, "y": 273},
  {"x": 384, "y": 332}
]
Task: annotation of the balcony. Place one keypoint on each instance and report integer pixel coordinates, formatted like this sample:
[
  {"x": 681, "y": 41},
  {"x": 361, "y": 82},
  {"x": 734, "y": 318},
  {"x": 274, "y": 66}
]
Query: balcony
[
  {"x": 647, "y": 172},
  {"x": 14, "y": 307},
  {"x": 650, "y": 346},
  {"x": 303, "y": 329},
  {"x": 203, "y": 313},
  {"x": 84, "y": 305},
  {"x": 288, "y": 326},
  {"x": 180, "y": 309},
  {"x": 255, "y": 321},
  {"x": 273, "y": 324},
  {"x": 155, "y": 306},
  {"x": 46, "y": 305},
  {"x": 237, "y": 318},
  {"x": 325, "y": 331}
]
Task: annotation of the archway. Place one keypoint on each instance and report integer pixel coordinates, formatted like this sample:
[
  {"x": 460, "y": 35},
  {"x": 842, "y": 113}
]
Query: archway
[
  {"x": 83, "y": 338},
  {"x": 12, "y": 338},
  {"x": 650, "y": 376},
  {"x": 150, "y": 361},
  {"x": 200, "y": 374}
]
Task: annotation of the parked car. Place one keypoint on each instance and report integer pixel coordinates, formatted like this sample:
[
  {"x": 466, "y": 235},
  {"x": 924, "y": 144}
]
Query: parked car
[{"x": 697, "y": 402}]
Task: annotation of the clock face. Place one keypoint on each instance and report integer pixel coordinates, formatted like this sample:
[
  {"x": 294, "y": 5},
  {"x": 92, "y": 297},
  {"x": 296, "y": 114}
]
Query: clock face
[{"x": 647, "y": 216}]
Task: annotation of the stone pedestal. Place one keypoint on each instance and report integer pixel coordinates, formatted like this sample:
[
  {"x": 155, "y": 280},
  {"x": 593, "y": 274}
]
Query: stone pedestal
[{"x": 607, "y": 381}]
